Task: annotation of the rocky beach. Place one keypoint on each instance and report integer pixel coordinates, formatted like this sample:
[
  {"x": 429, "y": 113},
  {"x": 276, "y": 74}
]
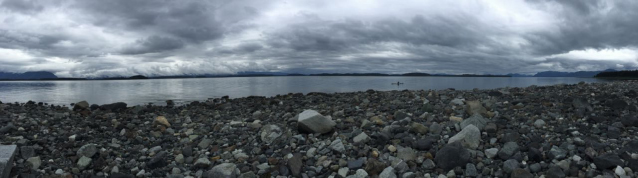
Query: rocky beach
[{"x": 580, "y": 130}]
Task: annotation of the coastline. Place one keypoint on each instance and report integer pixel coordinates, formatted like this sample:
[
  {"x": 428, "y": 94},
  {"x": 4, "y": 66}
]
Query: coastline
[{"x": 516, "y": 132}]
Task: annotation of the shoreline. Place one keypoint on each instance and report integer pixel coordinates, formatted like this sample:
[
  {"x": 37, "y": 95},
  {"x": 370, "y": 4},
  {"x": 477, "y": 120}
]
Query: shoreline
[{"x": 584, "y": 129}]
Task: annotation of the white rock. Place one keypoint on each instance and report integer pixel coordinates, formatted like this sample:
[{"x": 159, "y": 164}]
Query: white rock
[
  {"x": 539, "y": 123},
  {"x": 491, "y": 153},
  {"x": 619, "y": 171},
  {"x": 361, "y": 138},
  {"x": 141, "y": 173},
  {"x": 313, "y": 122},
  {"x": 343, "y": 172},
  {"x": 470, "y": 137},
  {"x": 576, "y": 158},
  {"x": 59, "y": 172}
]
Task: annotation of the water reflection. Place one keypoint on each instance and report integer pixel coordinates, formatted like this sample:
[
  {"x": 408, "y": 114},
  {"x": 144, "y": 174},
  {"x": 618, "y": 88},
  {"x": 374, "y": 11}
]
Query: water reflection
[{"x": 185, "y": 90}]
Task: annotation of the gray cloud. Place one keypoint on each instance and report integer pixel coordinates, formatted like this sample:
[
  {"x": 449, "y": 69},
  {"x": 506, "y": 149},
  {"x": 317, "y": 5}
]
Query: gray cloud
[
  {"x": 153, "y": 44},
  {"x": 22, "y": 6},
  {"x": 166, "y": 37}
]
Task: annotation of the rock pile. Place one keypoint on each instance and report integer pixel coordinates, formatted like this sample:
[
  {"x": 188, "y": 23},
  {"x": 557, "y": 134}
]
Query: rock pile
[{"x": 583, "y": 130}]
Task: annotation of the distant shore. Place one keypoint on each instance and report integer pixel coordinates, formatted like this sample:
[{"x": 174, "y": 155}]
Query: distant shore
[
  {"x": 140, "y": 77},
  {"x": 563, "y": 130}
]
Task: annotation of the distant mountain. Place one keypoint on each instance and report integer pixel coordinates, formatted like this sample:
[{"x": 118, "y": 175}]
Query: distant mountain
[
  {"x": 27, "y": 75},
  {"x": 416, "y": 74},
  {"x": 586, "y": 74},
  {"x": 250, "y": 73}
]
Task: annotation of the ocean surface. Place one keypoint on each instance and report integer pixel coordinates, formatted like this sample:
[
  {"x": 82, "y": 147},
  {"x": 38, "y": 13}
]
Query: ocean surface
[{"x": 157, "y": 91}]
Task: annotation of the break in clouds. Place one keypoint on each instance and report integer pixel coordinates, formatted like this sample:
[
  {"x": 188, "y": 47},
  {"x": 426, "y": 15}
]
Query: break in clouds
[{"x": 93, "y": 38}]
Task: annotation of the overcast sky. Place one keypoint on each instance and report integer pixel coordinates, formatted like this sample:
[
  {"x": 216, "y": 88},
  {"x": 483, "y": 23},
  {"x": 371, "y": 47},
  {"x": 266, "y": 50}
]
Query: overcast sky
[{"x": 92, "y": 38}]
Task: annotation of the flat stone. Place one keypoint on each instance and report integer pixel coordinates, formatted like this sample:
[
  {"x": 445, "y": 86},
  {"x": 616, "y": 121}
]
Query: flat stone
[
  {"x": 361, "y": 138},
  {"x": 312, "y": 122},
  {"x": 87, "y": 150},
  {"x": 204, "y": 143},
  {"x": 7, "y": 154}
]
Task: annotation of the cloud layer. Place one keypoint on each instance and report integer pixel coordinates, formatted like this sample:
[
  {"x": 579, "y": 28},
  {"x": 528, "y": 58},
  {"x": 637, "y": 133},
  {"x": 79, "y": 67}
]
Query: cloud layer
[{"x": 93, "y": 38}]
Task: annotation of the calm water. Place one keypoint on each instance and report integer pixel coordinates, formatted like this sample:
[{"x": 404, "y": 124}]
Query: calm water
[{"x": 158, "y": 91}]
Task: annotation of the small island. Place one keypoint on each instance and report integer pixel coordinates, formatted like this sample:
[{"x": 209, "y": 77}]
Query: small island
[{"x": 625, "y": 74}]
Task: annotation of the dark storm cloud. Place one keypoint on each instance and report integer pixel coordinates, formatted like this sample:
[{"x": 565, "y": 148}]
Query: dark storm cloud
[
  {"x": 107, "y": 37},
  {"x": 22, "y": 6},
  {"x": 153, "y": 44},
  {"x": 588, "y": 24},
  {"x": 459, "y": 31},
  {"x": 189, "y": 20}
]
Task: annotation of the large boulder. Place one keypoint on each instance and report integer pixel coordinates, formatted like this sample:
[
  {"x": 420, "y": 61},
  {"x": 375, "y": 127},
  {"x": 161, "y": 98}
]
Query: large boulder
[
  {"x": 114, "y": 106},
  {"x": 451, "y": 156},
  {"x": 311, "y": 121},
  {"x": 7, "y": 155},
  {"x": 469, "y": 137},
  {"x": 82, "y": 105},
  {"x": 224, "y": 170}
]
